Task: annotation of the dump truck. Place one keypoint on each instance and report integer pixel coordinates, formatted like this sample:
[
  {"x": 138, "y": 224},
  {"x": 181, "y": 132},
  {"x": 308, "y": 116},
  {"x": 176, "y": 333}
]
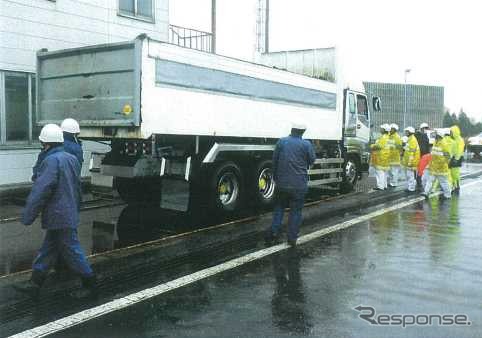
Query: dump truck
[{"x": 174, "y": 114}]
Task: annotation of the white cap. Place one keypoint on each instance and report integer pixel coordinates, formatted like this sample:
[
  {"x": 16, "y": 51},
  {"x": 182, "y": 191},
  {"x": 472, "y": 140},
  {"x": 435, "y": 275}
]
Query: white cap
[
  {"x": 299, "y": 126},
  {"x": 424, "y": 125},
  {"x": 70, "y": 126},
  {"x": 411, "y": 130},
  {"x": 385, "y": 127},
  {"x": 394, "y": 126},
  {"x": 51, "y": 133}
]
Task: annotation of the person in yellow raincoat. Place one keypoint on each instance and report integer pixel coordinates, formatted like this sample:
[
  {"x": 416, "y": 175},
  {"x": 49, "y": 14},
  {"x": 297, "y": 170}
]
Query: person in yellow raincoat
[
  {"x": 450, "y": 144},
  {"x": 381, "y": 157},
  {"x": 455, "y": 163},
  {"x": 411, "y": 158},
  {"x": 438, "y": 168},
  {"x": 395, "y": 144}
]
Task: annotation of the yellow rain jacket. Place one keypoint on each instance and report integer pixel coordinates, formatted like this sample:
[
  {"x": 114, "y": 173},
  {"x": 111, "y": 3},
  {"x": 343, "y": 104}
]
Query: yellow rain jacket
[
  {"x": 411, "y": 155},
  {"x": 458, "y": 146},
  {"x": 381, "y": 153},
  {"x": 395, "y": 144},
  {"x": 439, "y": 165}
]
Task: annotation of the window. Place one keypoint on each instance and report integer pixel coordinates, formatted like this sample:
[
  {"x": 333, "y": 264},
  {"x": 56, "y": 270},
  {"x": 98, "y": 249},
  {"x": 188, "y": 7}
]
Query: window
[
  {"x": 362, "y": 109},
  {"x": 17, "y": 108},
  {"x": 142, "y": 9},
  {"x": 352, "y": 110}
]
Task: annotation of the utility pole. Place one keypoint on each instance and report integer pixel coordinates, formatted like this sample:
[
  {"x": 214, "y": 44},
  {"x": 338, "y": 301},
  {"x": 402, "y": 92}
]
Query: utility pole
[
  {"x": 266, "y": 29},
  {"x": 213, "y": 26},
  {"x": 405, "y": 100}
]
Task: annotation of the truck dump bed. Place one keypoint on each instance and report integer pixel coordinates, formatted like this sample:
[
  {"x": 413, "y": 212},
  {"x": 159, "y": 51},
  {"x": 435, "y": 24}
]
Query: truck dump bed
[{"x": 147, "y": 87}]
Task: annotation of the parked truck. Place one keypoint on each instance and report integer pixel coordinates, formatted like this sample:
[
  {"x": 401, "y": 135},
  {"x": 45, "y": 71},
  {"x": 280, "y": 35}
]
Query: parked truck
[{"x": 172, "y": 113}]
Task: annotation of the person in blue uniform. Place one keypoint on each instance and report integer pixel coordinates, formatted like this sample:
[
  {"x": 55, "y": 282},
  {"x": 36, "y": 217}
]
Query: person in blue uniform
[
  {"x": 56, "y": 195},
  {"x": 72, "y": 144},
  {"x": 291, "y": 159}
]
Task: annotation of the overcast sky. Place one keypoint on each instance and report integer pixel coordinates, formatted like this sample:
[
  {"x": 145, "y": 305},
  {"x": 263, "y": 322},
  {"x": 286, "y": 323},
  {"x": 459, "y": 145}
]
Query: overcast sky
[{"x": 438, "y": 40}]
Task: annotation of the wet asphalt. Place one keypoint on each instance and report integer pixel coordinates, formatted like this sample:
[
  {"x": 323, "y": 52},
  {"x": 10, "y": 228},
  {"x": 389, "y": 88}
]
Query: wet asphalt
[{"x": 424, "y": 260}]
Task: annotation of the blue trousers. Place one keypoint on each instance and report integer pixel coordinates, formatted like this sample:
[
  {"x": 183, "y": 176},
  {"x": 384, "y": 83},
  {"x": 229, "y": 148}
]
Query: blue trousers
[
  {"x": 62, "y": 244},
  {"x": 294, "y": 199}
]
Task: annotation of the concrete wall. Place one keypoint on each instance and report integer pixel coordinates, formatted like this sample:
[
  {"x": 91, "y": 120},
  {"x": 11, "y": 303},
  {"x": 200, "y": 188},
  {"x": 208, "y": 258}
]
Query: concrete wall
[{"x": 29, "y": 25}]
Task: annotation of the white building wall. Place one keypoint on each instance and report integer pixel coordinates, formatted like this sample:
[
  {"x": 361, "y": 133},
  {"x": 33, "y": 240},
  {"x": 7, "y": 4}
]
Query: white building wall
[{"x": 29, "y": 25}]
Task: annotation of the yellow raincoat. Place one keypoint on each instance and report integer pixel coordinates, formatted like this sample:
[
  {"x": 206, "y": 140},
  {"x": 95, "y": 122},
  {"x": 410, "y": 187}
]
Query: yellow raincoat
[
  {"x": 411, "y": 155},
  {"x": 451, "y": 147},
  {"x": 458, "y": 146},
  {"x": 395, "y": 144},
  {"x": 439, "y": 165},
  {"x": 381, "y": 153}
]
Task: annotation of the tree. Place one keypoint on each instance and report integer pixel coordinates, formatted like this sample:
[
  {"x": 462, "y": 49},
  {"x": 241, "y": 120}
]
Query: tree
[{"x": 449, "y": 120}]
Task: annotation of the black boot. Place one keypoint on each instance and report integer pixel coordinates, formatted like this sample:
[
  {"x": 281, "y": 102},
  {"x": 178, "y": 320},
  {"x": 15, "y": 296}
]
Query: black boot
[
  {"x": 32, "y": 287},
  {"x": 88, "y": 290}
]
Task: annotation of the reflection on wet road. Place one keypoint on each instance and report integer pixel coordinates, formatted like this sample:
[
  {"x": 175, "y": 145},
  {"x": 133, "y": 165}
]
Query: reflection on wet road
[{"x": 423, "y": 259}]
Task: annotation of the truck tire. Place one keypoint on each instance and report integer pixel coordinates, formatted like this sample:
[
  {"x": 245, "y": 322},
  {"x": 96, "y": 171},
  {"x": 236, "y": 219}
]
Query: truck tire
[
  {"x": 226, "y": 188},
  {"x": 142, "y": 190},
  {"x": 350, "y": 174},
  {"x": 263, "y": 184}
]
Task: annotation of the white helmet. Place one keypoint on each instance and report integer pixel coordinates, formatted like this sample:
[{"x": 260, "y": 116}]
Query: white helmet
[
  {"x": 299, "y": 126},
  {"x": 411, "y": 130},
  {"x": 385, "y": 127},
  {"x": 70, "y": 126},
  {"x": 424, "y": 125},
  {"x": 394, "y": 126},
  {"x": 51, "y": 133}
]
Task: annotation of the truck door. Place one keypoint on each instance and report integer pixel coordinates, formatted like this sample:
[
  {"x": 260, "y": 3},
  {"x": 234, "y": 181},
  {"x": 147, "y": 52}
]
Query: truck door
[{"x": 363, "y": 118}]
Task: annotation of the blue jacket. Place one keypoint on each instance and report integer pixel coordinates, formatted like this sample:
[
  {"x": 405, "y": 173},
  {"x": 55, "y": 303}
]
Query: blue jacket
[
  {"x": 36, "y": 167},
  {"x": 291, "y": 159},
  {"x": 56, "y": 192},
  {"x": 74, "y": 147}
]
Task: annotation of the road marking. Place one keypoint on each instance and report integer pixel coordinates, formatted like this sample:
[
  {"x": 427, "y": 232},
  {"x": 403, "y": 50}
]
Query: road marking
[{"x": 137, "y": 297}]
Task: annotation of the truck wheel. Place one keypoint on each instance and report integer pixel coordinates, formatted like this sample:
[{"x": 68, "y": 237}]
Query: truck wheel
[
  {"x": 226, "y": 187},
  {"x": 350, "y": 175},
  {"x": 142, "y": 190},
  {"x": 263, "y": 185}
]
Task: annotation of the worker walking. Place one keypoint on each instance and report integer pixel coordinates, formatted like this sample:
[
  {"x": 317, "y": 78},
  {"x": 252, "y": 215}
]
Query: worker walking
[
  {"x": 291, "y": 159},
  {"x": 56, "y": 195},
  {"x": 72, "y": 144},
  {"x": 395, "y": 145},
  {"x": 455, "y": 163},
  {"x": 381, "y": 150},
  {"x": 411, "y": 159},
  {"x": 438, "y": 168}
]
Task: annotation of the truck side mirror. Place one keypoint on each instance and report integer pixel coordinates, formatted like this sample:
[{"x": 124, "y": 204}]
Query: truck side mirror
[{"x": 377, "y": 105}]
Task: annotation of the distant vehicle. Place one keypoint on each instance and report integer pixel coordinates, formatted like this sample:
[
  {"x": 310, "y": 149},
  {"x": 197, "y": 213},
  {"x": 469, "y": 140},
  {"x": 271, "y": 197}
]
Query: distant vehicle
[
  {"x": 474, "y": 145},
  {"x": 178, "y": 114}
]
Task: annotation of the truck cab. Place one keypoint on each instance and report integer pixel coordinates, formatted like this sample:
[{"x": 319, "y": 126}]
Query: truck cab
[{"x": 357, "y": 133}]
